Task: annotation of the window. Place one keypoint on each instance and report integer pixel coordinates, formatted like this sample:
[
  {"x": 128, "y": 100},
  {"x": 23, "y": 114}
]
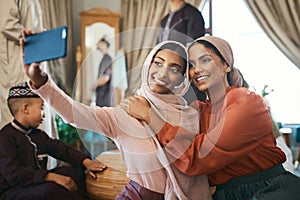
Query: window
[{"x": 260, "y": 61}]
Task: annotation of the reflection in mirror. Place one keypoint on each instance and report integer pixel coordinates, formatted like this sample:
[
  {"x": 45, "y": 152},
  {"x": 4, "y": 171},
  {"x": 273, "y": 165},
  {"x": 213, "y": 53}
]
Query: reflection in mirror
[
  {"x": 93, "y": 34},
  {"x": 95, "y": 24}
]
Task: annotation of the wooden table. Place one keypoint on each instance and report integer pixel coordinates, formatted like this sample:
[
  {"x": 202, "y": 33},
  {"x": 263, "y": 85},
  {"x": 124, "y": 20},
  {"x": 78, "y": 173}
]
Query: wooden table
[{"x": 110, "y": 182}]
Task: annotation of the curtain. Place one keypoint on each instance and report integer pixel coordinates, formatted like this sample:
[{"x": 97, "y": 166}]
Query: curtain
[
  {"x": 59, "y": 13},
  {"x": 15, "y": 15},
  {"x": 280, "y": 19},
  {"x": 139, "y": 32}
]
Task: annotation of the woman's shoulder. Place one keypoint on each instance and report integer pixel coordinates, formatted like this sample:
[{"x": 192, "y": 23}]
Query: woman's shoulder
[
  {"x": 236, "y": 90},
  {"x": 242, "y": 95},
  {"x": 239, "y": 92},
  {"x": 190, "y": 8}
]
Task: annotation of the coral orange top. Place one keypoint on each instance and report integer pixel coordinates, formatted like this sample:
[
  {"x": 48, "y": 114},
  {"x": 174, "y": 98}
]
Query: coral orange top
[{"x": 236, "y": 139}]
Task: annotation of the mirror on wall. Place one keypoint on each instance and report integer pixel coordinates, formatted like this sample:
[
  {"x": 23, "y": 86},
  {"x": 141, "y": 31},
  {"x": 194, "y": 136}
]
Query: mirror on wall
[
  {"x": 96, "y": 23},
  {"x": 93, "y": 34}
]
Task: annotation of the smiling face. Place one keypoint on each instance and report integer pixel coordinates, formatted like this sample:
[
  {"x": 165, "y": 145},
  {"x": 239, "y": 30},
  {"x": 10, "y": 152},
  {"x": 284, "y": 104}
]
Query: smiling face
[
  {"x": 207, "y": 70},
  {"x": 166, "y": 71}
]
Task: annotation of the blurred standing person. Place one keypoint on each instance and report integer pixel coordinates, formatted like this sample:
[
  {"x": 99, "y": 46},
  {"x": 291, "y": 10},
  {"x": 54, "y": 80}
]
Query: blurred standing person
[
  {"x": 103, "y": 86},
  {"x": 16, "y": 15},
  {"x": 184, "y": 23},
  {"x": 183, "y": 20}
]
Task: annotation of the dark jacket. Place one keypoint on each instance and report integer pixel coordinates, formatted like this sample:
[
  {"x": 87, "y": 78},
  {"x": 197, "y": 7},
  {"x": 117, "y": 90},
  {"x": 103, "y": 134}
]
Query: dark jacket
[
  {"x": 186, "y": 25},
  {"x": 104, "y": 92},
  {"x": 20, "y": 153}
]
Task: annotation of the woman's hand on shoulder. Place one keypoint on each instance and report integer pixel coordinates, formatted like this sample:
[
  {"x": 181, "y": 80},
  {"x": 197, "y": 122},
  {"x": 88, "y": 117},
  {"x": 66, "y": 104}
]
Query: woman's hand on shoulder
[{"x": 138, "y": 107}]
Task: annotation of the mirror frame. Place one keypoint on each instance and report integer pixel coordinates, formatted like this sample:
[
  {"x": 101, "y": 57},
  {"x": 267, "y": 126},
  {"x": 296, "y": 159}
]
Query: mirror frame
[{"x": 89, "y": 17}]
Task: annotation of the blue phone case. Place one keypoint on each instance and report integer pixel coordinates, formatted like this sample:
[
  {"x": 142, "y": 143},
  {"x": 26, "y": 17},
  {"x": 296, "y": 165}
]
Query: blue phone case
[{"x": 47, "y": 45}]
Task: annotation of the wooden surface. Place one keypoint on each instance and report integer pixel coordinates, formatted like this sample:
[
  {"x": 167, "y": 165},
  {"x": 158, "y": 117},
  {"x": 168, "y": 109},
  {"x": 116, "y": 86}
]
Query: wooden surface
[{"x": 110, "y": 182}]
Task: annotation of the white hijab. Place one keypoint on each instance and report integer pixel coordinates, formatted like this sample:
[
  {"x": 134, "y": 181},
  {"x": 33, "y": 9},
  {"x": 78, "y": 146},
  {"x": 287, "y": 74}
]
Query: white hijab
[{"x": 174, "y": 109}]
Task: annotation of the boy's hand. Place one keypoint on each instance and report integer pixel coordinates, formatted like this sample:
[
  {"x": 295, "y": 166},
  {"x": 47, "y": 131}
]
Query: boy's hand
[
  {"x": 62, "y": 180},
  {"x": 33, "y": 71},
  {"x": 93, "y": 166}
]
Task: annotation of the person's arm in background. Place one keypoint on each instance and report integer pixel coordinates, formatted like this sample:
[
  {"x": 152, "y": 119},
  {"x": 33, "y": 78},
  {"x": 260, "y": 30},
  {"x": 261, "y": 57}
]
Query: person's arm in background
[
  {"x": 102, "y": 80},
  {"x": 12, "y": 27},
  {"x": 105, "y": 77},
  {"x": 195, "y": 24}
]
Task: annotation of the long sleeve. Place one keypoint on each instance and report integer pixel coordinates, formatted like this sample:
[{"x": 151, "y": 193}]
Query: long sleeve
[
  {"x": 12, "y": 27},
  {"x": 13, "y": 169},
  {"x": 239, "y": 134},
  {"x": 57, "y": 148},
  {"x": 65, "y": 152},
  {"x": 79, "y": 115},
  {"x": 195, "y": 24}
]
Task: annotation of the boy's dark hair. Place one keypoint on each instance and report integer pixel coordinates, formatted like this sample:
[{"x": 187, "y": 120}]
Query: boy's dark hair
[{"x": 15, "y": 103}]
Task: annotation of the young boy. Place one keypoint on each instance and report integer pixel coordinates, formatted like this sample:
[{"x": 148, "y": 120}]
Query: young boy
[{"x": 23, "y": 173}]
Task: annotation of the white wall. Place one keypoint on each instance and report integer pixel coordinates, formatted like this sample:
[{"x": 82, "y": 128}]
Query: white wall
[{"x": 258, "y": 58}]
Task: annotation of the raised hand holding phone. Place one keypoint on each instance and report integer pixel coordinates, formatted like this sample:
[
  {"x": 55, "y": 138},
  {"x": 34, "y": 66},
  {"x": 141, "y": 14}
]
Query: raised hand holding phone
[
  {"x": 46, "y": 45},
  {"x": 33, "y": 70}
]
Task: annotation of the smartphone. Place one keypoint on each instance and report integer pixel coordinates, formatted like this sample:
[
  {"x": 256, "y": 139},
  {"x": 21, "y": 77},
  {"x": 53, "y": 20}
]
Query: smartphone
[{"x": 47, "y": 45}]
